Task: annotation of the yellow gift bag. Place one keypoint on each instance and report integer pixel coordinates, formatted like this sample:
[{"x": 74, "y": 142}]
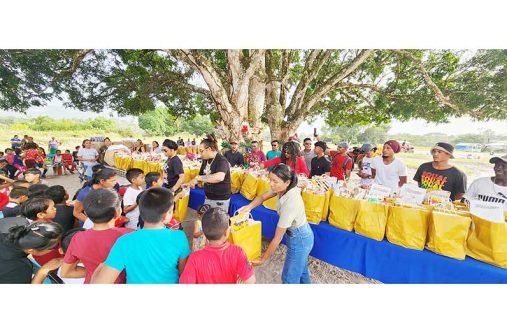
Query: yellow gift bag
[
  {"x": 343, "y": 212},
  {"x": 249, "y": 187},
  {"x": 314, "y": 206},
  {"x": 247, "y": 234},
  {"x": 325, "y": 211},
  {"x": 371, "y": 220},
  {"x": 447, "y": 233},
  {"x": 181, "y": 207},
  {"x": 263, "y": 187},
  {"x": 237, "y": 178},
  {"x": 487, "y": 242},
  {"x": 408, "y": 226}
]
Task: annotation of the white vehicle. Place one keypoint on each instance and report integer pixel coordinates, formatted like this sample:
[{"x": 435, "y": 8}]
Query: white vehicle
[{"x": 495, "y": 147}]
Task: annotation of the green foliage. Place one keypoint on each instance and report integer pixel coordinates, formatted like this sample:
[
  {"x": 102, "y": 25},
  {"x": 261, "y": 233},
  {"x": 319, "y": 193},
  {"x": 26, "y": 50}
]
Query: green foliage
[
  {"x": 161, "y": 122},
  {"x": 99, "y": 125}
]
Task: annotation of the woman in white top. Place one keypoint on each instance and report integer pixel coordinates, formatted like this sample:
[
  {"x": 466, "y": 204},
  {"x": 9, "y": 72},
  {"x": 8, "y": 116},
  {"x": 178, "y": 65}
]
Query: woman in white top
[
  {"x": 88, "y": 156},
  {"x": 491, "y": 189},
  {"x": 388, "y": 170},
  {"x": 155, "y": 148},
  {"x": 292, "y": 222}
]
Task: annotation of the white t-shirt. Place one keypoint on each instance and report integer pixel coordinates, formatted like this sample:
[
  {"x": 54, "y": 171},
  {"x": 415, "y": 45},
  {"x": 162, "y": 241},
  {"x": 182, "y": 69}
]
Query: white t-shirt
[
  {"x": 129, "y": 198},
  {"x": 484, "y": 189},
  {"x": 388, "y": 175},
  {"x": 88, "y": 153},
  {"x": 88, "y": 224},
  {"x": 366, "y": 168},
  {"x": 70, "y": 280}
]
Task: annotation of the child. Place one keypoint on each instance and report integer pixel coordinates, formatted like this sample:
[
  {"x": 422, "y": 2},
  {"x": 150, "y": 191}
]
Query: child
[
  {"x": 64, "y": 213},
  {"x": 74, "y": 154},
  {"x": 17, "y": 196},
  {"x": 58, "y": 163},
  {"x": 152, "y": 179},
  {"x": 153, "y": 254},
  {"x": 92, "y": 246},
  {"x": 136, "y": 178},
  {"x": 33, "y": 176},
  {"x": 37, "y": 190},
  {"x": 64, "y": 246},
  {"x": 21, "y": 241},
  {"x": 41, "y": 161},
  {"x": 41, "y": 209},
  {"x": 219, "y": 261},
  {"x": 68, "y": 162},
  {"x": 17, "y": 162},
  {"x": 199, "y": 240}
]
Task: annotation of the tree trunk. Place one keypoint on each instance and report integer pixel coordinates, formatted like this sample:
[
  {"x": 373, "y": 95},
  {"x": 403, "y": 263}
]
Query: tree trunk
[{"x": 256, "y": 100}]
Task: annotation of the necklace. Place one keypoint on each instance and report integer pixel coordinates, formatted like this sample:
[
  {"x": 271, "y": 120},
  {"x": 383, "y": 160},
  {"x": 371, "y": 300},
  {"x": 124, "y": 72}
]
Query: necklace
[{"x": 207, "y": 168}]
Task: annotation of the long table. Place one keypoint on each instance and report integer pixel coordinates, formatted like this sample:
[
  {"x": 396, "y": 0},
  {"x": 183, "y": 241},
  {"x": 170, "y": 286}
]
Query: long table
[{"x": 382, "y": 261}]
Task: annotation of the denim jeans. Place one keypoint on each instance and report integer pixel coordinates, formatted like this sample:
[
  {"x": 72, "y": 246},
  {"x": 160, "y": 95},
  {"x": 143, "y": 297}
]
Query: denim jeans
[
  {"x": 224, "y": 204},
  {"x": 299, "y": 244}
]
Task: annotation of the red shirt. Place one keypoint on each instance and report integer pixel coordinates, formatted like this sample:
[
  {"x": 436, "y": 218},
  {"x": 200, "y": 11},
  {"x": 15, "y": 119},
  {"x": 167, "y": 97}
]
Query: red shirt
[
  {"x": 300, "y": 164},
  {"x": 92, "y": 248},
  {"x": 337, "y": 166},
  {"x": 55, "y": 253},
  {"x": 217, "y": 265},
  {"x": 32, "y": 154}
]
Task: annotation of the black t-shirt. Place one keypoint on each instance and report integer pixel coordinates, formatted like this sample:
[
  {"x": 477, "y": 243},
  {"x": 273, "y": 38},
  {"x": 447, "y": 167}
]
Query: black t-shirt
[
  {"x": 222, "y": 190},
  {"x": 236, "y": 159},
  {"x": 320, "y": 165},
  {"x": 64, "y": 217},
  {"x": 12, "y": 211},
  {"x": 15, "y": 267},
  {"x": 173, "y": 167},
  {"x": 452, "y": 179},
  {"x": 9, "y": 222}
]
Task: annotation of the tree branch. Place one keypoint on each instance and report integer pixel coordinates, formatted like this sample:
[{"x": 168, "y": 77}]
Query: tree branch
[
  {"x": 429, "y": 82},
  {"x": 76, "y": 61},
  {"x": 336, "y": 79}
]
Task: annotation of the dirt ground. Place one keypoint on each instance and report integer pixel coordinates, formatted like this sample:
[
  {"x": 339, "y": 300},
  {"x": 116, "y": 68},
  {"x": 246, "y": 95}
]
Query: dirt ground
[{"x": 270, "y": 272}]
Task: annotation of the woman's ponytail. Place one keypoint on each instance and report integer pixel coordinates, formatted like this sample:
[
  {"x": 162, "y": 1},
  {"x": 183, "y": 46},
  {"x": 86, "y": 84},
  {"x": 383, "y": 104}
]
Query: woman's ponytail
[
  {"x": 39, "y": 236},
  {"x": 210, "y": 142}
]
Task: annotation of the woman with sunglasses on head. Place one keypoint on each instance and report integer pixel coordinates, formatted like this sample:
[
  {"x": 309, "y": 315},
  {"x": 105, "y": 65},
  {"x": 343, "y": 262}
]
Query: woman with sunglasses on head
[
  {"x": 36, "y": 239},
  {"x": 291, "y": 156},
  {"x": 292, "y": 223},
  {"x": 215, "y": 173},
  {"x": 174, "y": 174}
]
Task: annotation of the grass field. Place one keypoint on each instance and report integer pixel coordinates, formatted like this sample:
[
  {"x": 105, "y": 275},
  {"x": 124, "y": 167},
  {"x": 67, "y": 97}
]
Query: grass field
[{"x": 473, "y": 164}]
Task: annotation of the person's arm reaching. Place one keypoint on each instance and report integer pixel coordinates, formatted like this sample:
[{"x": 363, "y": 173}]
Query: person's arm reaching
[
  {"x": 179, "y": 182},
  {"x": 256, "y": 202},
  {"x": 72, "y": 270}
]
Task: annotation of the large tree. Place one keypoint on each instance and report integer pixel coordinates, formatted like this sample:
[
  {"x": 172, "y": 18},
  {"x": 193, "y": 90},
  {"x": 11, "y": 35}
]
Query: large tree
[{"x": 280, "y": 87}]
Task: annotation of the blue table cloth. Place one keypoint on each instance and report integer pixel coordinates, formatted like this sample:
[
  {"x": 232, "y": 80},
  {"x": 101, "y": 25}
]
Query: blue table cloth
[{"x": 382, "y": 261}]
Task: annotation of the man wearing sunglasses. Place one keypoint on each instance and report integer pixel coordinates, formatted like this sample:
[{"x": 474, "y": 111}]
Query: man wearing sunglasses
[
  {"x": 308, "y": 153},
  {"x": 274, "y": 152}
]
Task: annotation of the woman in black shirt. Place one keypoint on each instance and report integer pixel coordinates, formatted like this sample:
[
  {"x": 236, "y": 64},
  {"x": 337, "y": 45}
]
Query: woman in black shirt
[{"x": 37, "y": 239}]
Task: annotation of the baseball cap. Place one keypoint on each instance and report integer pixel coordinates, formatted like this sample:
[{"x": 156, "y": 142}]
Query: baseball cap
[
  {"x": 233, "y": 142},
  {"x": 497, "y": 159},
  {"x": 321, "y": 144},
  {"x": 445, "y": 147},
  {"x": 343, "y": 145},
  {"x": 366, "y": 147}
]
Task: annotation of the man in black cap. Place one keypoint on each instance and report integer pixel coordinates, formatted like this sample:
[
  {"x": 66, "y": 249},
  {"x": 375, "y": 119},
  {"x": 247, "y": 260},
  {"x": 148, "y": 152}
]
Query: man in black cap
[
  {"x": 234, "y": 157},
  {"x": 320, "y": 164},
  {"x": 491, "y": 189},
  {"x": 440, "y": 174}
]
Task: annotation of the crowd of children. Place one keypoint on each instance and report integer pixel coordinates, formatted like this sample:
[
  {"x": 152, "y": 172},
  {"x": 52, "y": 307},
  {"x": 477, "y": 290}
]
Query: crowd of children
[{"x": 108, "y": 233}]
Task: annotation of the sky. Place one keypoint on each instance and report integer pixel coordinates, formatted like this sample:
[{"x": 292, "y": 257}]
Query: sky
[{"x": 456, "y": 126}]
